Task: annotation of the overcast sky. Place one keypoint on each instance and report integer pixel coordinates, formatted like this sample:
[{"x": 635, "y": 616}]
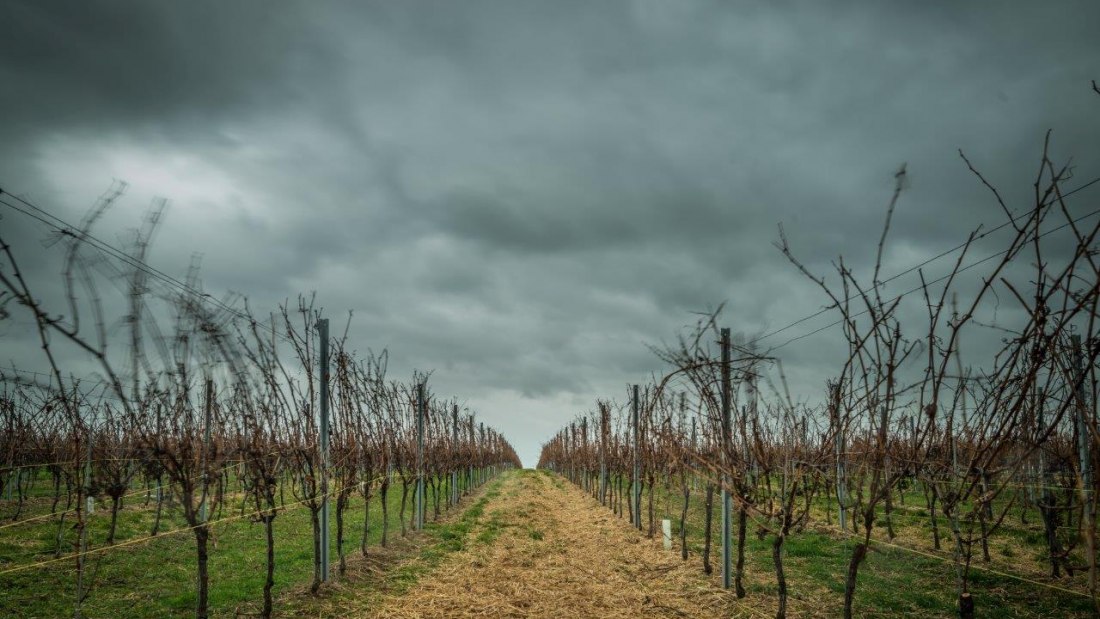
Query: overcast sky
[{"x": 523, "y": 195}]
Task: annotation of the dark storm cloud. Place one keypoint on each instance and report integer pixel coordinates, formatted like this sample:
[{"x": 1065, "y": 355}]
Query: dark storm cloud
[
  {"x": 523, "y": 194},
  {"x": 140, "y": 64}
]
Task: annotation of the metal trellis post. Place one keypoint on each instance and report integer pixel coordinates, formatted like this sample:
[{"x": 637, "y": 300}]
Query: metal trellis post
[
  {"x": 636, "y": 486},
  {"x": 727, "y": 440},
  {"x": 420, "y": 456},
  {"x": 454, "y": 473},
  {"x": 322, "y": 329}
]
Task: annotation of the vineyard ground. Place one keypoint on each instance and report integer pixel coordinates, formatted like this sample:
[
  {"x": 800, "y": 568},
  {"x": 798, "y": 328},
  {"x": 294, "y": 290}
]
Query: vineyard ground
[
  {"x": 903, "y": 577},
  {"x": 528, "y": 544},
  {"x": 154, "y": 577},
  {"x": 538, "y": 547},
  {"x": 547, "y": 549}
]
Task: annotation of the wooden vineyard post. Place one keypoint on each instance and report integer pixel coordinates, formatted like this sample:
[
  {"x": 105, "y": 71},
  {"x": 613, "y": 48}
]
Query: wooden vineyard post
[
  {"x": 966, "y": 606},
  {"x": 694, "y": 446},
  {"x": 209, "y": 406},
  {"x": 838, "y": 446},
  {"x": 82, "y": 524},
  {"x": 742, "y": 513},
  {"x": 1084, "y": 456}
]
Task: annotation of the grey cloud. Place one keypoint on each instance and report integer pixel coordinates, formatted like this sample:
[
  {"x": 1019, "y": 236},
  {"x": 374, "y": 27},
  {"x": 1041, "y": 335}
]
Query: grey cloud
[
  {"x": 524, "y": 194},
  {"x": 144, "y": 63}
]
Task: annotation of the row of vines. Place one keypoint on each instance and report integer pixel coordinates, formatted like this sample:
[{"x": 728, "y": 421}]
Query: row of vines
[
  {"x": 215, "y": 417},
  {"x": 1007, "y": 430}
]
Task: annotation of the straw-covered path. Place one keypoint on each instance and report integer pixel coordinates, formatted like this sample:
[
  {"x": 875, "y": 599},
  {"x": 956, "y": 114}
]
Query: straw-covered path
[{"x": 542, "y": 548}]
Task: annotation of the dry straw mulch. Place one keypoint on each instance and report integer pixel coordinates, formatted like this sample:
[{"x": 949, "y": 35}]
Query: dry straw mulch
[{"x": 558, "y": 553}]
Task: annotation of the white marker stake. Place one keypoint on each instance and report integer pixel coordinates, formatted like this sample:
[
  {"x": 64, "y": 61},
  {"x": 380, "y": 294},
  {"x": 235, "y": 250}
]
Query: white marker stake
[{"x": 666, "y": 533}]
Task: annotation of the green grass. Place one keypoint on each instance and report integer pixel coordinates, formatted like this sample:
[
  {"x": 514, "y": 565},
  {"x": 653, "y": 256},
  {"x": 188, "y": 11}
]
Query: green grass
[
  {"x": 156, "y": 577},
  {"x": 891, "y": 581},
  {"x": 450, "y": 537},
  {"x": 493, "y": 528}
]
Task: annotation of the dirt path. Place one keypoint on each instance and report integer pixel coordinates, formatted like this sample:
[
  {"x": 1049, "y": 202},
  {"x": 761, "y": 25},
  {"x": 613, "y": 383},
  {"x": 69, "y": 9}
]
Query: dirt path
[{"x": 544, "y": 549}]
